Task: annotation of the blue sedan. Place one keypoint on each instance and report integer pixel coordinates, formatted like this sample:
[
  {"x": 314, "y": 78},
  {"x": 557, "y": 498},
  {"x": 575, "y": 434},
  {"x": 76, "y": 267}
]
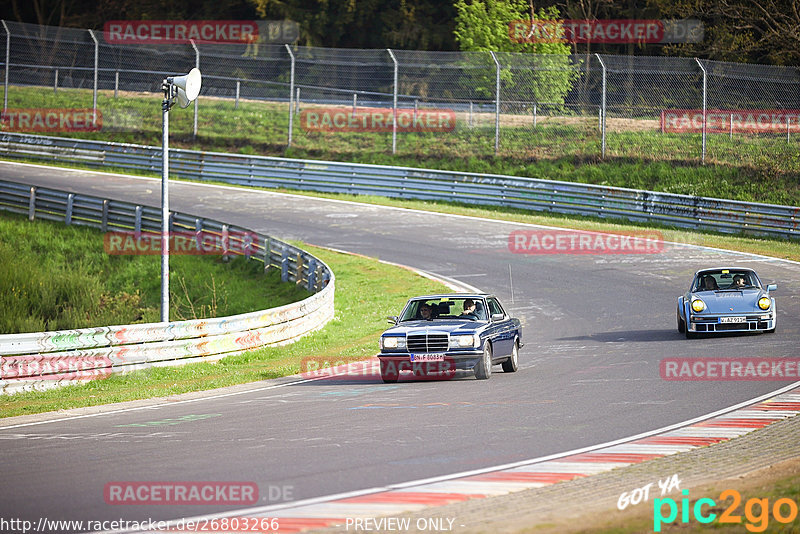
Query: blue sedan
[
  {"x": 726, "y": 300},
  {"x": 443, "y": 333}
]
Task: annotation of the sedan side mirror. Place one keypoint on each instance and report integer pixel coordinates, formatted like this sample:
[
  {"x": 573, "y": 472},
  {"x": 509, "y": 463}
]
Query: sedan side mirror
[
  {"x": 392, "y": 319},
  {"x": 498, "y": 317},
  {"x": 772, "y": 287}
]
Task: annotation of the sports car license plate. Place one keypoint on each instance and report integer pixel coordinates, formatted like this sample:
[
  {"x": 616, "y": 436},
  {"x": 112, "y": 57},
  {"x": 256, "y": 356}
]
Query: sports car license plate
[
  {"x": 733, "y": 319},
  {"x": 427, "y": 357}
]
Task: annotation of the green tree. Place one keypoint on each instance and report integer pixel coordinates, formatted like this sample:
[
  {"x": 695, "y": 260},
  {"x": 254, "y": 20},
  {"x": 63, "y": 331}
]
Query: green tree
[{"x": 538, "y": 70}]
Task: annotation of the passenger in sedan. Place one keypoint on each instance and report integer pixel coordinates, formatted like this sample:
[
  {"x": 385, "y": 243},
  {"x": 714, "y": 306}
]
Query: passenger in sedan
[{"x": 425, "y": 311}]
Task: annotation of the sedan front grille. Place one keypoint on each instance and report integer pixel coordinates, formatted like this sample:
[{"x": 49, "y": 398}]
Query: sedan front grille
[{"x": 421, "y": 343}]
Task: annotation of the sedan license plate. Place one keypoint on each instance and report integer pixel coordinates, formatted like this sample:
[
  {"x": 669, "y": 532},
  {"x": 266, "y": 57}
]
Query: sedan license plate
[
  {"x": 733, "y": 319},
  {"x": 438, "y": 357}
]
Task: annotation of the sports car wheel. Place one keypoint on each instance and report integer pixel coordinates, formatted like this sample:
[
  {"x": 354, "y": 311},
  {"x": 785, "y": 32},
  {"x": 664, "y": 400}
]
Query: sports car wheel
[
  {"x": 770, "y": 331},
  {"x": 681, "y": 325},
  {"x": 510, "y": 365},
  {"x": 483, "y": 369},
  {"x": 690, "y": 335},
  {"x": 389, "y": 372}
]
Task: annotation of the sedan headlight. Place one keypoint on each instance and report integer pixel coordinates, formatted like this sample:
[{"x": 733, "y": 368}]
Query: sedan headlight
[
  {"x": 764, "y": 303},
  {"x": 393, "y": 342},
  {"x": 698, "y": 305},
  {"x": 465, "y": 340}
]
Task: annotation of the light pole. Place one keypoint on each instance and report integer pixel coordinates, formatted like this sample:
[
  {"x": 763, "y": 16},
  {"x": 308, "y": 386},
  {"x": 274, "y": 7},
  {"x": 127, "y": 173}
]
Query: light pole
[{"x": 184, "y": 89}]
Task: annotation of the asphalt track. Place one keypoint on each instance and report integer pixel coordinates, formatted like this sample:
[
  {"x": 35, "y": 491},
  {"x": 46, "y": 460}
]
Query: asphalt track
[{"x": 595, "y": 329}]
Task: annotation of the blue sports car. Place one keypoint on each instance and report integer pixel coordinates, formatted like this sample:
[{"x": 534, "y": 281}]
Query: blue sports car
[
  {"x": 726, "y": 300},
  {"x": 443, "y": 333}
]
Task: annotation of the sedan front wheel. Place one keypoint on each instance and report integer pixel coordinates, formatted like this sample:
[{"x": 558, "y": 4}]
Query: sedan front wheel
[{"x": 483, "y": 369}]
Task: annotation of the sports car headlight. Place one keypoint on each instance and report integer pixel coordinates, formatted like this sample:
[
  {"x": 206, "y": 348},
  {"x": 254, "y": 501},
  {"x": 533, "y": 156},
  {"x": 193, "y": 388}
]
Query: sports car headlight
[
  {"x": 698, "y": 305},
  {"x": 764, "y": 303},
  {"x": 393, "y": 342},
  {"x": 467, "y": 340}
]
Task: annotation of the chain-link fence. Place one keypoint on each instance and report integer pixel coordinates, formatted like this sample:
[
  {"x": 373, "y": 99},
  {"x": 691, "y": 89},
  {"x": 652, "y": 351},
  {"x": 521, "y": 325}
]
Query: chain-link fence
[{"x": 447, "y": 104}]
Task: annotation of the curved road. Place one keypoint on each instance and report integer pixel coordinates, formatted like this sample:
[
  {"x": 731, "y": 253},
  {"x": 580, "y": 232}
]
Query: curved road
[{"x": 595, "y": 329}]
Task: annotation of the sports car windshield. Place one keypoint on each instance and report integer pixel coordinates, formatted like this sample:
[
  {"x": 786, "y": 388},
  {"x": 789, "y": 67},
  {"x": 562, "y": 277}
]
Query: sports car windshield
[
  {"x": 725, "y": 279},
  {"x": 445, "y": 308}
]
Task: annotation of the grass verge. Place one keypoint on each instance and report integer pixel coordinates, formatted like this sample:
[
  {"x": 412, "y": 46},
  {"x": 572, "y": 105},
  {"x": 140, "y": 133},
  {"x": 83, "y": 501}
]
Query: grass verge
[
  {"x": 745, "y": 167},
  {"x": 366, "y": 292},
  {"x": 57, "y": 277}
]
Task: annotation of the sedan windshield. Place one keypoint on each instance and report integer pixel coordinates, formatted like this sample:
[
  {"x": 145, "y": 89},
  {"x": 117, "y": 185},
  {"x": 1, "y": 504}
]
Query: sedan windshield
[
  {"x": 464, "y": 308},
  {"x": 725, "y": 279}
]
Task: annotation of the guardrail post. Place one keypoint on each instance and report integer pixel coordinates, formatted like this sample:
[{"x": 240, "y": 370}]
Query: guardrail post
[
  {"x": 94, "y": 90},
  {"x": 68, "y": 215},
  {"x": 298, "y": 277},
  {"x": 705, "y": 76},
  {"x": 104, "y": 217},
  {"x": 285, "y": 266},
  {"x": 137, "y": 223},
  {"x": 7, "y": 65},
  {"x": 225, "y": 238},
  {"x": 32, "y": 205},
  {"x": 312, "y": 275},
  {"x": 267, "y": 254},
  {"x": 197, "y": 66},
  {"x": 291, "y": 94},
  {"x": 198, "y": 233},
  {"x": 496, "y": 104},
  {"x": 602, "y": 109},
  {"x": 394, "y": 102}
]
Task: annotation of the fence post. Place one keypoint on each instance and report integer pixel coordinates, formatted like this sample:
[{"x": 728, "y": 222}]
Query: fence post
[
  {"x": 470, "y": 114},
  {"x": 705, "y": 76},
  {"x": 602, "y": 110},
  {"x": 394, "y": 103},
  {"x": 730, "y": 134},
  {"x": 94, "y": 90},
  {"x": 355, "y": 103},
  {"x": 55, "y": 82},
  {"x": 197, "y": 66},
  {"x": 291, "y": 95},
  {"x": 496, "y": 104},
  {"x": 116, "y": 84},
  {"x": 534, "y": 114},
  {"x": 7, "y": 66},
  {"x": 236, "y": 103}
]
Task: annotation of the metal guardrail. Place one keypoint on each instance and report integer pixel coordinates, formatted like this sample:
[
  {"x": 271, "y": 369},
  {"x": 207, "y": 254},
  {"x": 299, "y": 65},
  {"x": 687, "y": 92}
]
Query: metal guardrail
[
  {"x": 46, "y": 359},
  {"x": 405, "y": 182}
]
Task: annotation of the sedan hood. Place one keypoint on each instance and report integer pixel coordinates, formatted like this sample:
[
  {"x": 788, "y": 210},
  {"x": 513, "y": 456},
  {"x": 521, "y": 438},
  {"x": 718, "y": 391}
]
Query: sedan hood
[
  {"x": 721, "y": 302},
  {"x": 439, "y": 326}
]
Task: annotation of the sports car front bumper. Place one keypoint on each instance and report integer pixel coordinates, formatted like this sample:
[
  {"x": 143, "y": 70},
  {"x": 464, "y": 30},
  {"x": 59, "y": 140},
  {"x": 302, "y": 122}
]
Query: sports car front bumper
[{"x": 719, "y": 323}]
